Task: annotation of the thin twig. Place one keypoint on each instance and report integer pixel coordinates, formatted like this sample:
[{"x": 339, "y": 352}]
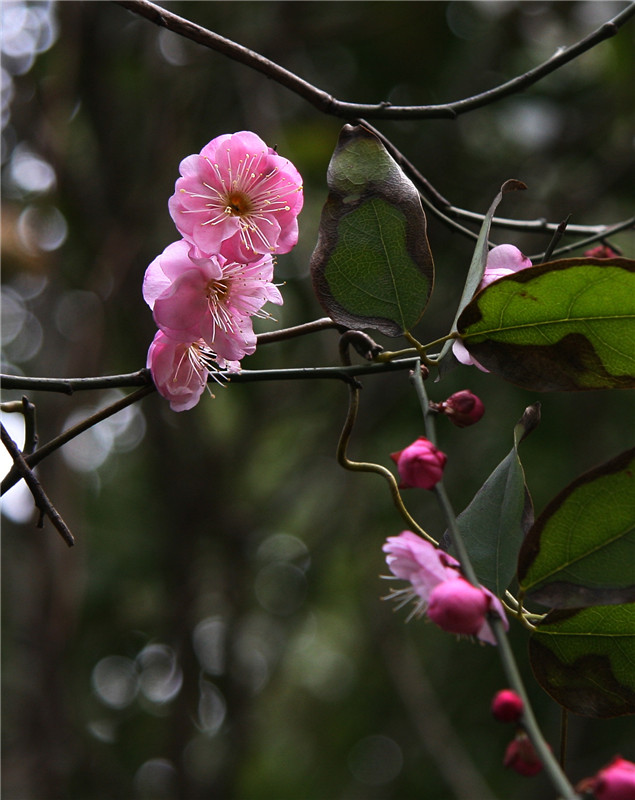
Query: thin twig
[
  {"x": 324, "y": 323},
  {"x": 557, "y": 236},
  {"x": 360, "y": 113},
  {"x": 39, "y": 495},
  {"x": 328, "y": 104},
  {"x": 13, "y": 476}
]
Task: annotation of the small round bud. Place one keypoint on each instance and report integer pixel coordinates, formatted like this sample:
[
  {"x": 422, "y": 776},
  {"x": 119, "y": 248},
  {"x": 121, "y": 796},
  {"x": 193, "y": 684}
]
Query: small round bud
[
  {"x": 507, "y": 706},
  {"x": 521, "y": 756},
  {"x": 420, "y": 464},
  {"x": 458, "y": 607},
  {"x": 463, "y": 408}
]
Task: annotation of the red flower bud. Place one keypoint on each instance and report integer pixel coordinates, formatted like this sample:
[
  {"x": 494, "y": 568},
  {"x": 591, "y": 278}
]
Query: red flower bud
[
  {"x": 601, "y": 251},
  {"x": 463, "y": 408},
  {"x": 521, "y": 756},
  {"x": 420, "y": 465},
  {"x": 458, "y": 607},
  {"x": 507, "y": 706},
  {"x": 616, "y": 781}
]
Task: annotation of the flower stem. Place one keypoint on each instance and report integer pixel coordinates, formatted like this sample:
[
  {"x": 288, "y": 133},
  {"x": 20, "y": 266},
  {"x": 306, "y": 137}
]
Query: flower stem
[{"x": 549, "y": 762}]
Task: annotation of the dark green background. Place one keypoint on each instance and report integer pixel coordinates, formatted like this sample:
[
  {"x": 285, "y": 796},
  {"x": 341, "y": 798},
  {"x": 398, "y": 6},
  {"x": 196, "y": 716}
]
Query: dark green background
[{"x": 179, "y": 529}]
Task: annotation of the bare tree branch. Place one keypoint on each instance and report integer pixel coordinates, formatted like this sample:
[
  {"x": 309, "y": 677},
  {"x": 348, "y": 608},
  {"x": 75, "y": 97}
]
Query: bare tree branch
[
  {"x": 432, "y": 199},
  {"x": 328, "y": 104}
]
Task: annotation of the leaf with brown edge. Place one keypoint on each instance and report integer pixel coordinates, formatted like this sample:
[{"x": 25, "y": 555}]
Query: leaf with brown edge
[
  {"x": 580, "y": 551},
  {"x": 372, "y": 266},
  {"x": 561, "y": 326},
  {"x": 585, "y": 659}
]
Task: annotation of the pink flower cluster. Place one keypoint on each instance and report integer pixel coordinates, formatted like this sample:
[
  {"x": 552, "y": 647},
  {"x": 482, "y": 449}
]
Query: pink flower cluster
[
  {"x": 236, "y": 206},
  {"x": 505, "y": 259},
  {"x": 439, "y": 589}
]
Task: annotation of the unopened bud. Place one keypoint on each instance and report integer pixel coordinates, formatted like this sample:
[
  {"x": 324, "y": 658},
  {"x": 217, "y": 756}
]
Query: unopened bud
[
  {"x": 458, "y": 607},
  {"x": 420, "y": 464},
  {"x": 601, "y": 251},
  {"x": 507, "y": 706},
  {"x": 521, "y": 756},
  {"x": 462, "y": 408}
]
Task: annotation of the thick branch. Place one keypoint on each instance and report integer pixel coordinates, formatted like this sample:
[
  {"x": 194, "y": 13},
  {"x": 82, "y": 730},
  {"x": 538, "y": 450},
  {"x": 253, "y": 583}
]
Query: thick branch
[{"x": 330, "y": 105}]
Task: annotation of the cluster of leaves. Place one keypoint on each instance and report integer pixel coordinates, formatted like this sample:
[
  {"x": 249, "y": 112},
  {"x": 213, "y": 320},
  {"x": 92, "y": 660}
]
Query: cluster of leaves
[{"x": 563, "y": 325}]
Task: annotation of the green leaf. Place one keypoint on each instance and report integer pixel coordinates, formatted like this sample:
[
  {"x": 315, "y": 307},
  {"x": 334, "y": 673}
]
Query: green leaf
[
  {"x": 497, "y": 519},
  {"x": 561, "y": 326},
  {"x": 585, "y": 659},
  {"x": 581, "y": 549},
  {"x": 372, "y": 266}
]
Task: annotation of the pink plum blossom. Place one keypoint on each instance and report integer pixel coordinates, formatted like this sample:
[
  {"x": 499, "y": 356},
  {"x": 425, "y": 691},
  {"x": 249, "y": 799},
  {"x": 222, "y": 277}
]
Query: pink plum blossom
[
  {"x": 207, "y": 297},
  {"x": 420, "y": 464},
  {"x": 180, "y": 369},
  {"x": 413, "y": 559},
  {"x": 504, "y": 259},
  {"x": 238, "y": 197},
  {"x": 616, "y": 781},
  {"x": 438, "y": 588}
]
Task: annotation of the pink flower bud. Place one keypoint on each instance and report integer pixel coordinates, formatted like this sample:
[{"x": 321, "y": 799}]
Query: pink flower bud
[
  {"x": 601, "y": 251},
  {"x": 507, "y": 706},
  {"x": 616, "y": 781},
  {"x": 420, "y": 464},
  {"x": 463, "y": 408},
  {"x": 522, "y": 757},
  {"x": 458, "y": 607}
]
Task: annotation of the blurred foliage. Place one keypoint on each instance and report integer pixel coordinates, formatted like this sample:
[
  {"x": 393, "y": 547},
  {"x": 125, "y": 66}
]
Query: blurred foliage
[{"x": 217, "y": 631}]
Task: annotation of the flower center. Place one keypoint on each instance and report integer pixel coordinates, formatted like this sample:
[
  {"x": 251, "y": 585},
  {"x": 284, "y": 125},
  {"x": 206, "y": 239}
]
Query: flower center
[{"x": 238, "y": 205}]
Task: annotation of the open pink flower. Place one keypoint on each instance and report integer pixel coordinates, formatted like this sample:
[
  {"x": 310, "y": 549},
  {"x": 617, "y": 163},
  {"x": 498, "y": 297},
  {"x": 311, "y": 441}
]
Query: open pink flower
[
  {"x": 616, "y": 781},
  {"x": 504, "y": 259},
  {"x": 438, "y": 588},
  {"x": 238, "y": 197},
  {"x": 180, "y": 369},
  {"x": 198, "y": 297}
]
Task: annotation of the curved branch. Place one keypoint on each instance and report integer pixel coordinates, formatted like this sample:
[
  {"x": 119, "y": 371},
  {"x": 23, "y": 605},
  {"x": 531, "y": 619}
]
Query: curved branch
[{"x": 328, "y": 104}]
